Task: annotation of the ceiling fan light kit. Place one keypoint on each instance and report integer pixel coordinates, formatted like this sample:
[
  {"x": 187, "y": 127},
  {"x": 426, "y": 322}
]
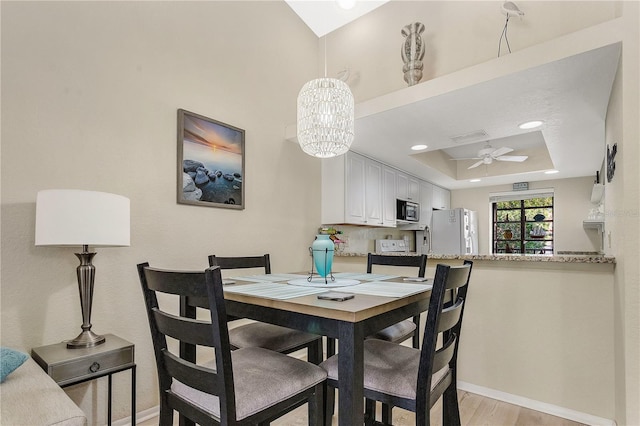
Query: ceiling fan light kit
[{"x": 487, "y": 154}]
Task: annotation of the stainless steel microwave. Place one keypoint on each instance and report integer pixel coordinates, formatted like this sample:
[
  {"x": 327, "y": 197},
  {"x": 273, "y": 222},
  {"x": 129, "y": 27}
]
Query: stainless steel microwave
[{"x": 407, "y": 211}]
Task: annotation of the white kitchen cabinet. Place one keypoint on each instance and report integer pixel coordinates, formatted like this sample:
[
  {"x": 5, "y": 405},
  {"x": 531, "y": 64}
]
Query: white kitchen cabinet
[
  {"x": 426, "y": 203},
  {"x": 373, "y": 193},
  {"x": 441, "y": 199},
  {"x": 353, "y": 191},
  {"x": 388, "y": 196},
  {"x": 407, "y": 188},
  {"x": 355, "y": 178}
]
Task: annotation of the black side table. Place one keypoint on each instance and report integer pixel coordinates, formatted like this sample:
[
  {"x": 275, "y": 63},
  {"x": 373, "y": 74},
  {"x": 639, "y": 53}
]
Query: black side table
[{"x": 72, "y": 366}]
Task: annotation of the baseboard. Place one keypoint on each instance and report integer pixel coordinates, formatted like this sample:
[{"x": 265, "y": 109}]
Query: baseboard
[
  {"x": 542, "y": 407},
  {"x": 141, "y": 416}
]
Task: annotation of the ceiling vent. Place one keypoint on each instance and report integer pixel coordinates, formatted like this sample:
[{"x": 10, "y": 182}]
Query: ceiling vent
[{"x": 476, "y": 136}]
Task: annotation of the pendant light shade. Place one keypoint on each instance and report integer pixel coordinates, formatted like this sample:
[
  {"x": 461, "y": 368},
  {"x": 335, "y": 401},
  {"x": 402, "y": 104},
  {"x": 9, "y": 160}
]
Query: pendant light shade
[{"x": 325, "y": 117}]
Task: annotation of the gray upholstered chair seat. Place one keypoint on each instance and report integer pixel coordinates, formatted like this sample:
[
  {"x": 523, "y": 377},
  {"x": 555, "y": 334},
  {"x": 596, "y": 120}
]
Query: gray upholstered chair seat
[
  {"x": 396, "y": 333},
  {"x": 262, "y": 378},
  {"x": 268, "y": 336},
  {"x": 388, "y": 368}
]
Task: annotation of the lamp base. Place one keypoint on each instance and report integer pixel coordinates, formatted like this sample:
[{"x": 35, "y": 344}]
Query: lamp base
[{"x": 86, "y": 339}]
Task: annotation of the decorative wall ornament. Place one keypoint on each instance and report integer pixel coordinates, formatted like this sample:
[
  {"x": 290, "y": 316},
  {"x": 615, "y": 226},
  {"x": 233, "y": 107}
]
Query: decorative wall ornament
[
  {"x": 611, "y": 161},
  {"x": 412, "y": 53}
]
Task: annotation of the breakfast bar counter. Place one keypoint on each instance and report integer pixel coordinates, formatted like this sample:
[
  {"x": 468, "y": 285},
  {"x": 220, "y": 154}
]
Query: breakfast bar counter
[
  {"x": 535, "y": 319},
  {"x": 568, "y": 257}
]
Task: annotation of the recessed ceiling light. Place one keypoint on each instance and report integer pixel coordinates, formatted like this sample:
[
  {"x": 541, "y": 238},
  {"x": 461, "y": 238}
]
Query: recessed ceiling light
[
  {"x": 419, "y": 147},
  {"x": 551, "y": 172},
  {"x": 530, "y": 125},
  {"x": 346, "y": 4},
  {"x": 475, "y": 180}
]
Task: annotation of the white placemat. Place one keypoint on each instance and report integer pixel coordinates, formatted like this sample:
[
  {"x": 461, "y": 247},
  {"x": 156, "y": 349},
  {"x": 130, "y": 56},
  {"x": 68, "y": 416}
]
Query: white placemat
[
  {"x": 273, "y": 290},
  {"x": 364, "y": 277},
  {"x": 388, "y": 289},
  {"x": 320, "y": 283},
  {"x": 269, "y": 277}
]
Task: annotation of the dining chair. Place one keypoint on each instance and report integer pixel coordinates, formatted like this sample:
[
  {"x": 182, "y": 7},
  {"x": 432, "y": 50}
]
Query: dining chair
[
  {"x": 403, "y": 330},
  {"x": 396, "y": 333},
  {"x": 241, "y": 387},
  {"x": 410, "y": 378},
  {"x": 269, "y": 336}
]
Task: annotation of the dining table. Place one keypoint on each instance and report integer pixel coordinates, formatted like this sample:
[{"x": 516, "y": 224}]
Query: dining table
[{"x": 292, "y": 300}]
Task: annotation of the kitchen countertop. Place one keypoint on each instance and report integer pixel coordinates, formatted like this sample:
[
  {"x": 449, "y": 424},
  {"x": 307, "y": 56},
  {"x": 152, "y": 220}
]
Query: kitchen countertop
[{"x": 576, "y": 257}]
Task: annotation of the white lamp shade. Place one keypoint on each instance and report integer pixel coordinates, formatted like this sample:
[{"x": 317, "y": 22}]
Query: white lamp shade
[
  {"x": 70, "y": 217},
  {"x": 325, "y": 117}
]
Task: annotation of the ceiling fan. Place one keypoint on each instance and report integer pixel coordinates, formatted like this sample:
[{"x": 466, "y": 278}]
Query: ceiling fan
[{"x": 487, "y": 154}]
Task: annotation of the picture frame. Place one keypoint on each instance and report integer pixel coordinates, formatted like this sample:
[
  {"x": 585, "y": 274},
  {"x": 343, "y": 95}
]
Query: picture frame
[{"x": 211, "y": 169}]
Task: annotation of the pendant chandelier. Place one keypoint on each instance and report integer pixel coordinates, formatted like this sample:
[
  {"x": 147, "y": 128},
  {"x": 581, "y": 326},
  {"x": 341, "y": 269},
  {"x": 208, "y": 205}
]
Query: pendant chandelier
[{"x": 325, "y": 117}]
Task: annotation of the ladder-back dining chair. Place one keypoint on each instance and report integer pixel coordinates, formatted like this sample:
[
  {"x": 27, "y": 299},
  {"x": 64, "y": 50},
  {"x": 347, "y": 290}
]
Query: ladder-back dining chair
[
  {"x": 396, "y": 333},
  {"x": 403, "y": 330},
  {"x": 410, "y": 378},
  {"x": 241, "y": 387},
  {"x": 269, "y": 336}
]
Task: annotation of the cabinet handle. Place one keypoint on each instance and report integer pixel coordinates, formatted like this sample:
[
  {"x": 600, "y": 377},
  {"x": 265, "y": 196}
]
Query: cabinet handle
[{"x": 94, "y": 367}]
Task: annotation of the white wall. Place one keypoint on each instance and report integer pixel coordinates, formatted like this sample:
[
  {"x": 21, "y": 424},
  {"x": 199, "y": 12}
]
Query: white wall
[
  {"x": 457, "y": 34},
  {"x": 572, "y": 202},
  {"x": 622, "y": 224},
  {"x": 89, "y": 98}
]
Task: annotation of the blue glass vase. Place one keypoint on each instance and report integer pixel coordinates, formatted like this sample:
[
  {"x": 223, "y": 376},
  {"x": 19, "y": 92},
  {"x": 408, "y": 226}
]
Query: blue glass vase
[{"x": 322, "y": 249}]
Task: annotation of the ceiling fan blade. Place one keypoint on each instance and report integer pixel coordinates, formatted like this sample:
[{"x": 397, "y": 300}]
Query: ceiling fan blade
[
  {"x": 465, "y": 158},
  {"x": 475, "y": 164},
  {"x": 501, "y": 151},
  {"x": 512, "y": 158}
]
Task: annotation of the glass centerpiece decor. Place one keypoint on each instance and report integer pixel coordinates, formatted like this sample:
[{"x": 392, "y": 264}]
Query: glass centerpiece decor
[{"x": 322, "y": 251}]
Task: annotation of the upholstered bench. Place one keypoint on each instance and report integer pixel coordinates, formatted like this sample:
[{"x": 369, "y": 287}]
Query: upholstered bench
[{"x": 28, "y": 396}]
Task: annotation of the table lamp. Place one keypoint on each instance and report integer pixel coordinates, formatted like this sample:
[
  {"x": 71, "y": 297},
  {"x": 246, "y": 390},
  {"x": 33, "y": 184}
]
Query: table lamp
[{"x": 69, "y": 217}]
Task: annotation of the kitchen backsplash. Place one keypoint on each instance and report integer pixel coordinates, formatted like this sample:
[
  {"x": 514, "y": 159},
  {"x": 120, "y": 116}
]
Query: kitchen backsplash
[{"x": 361, "y": 239}]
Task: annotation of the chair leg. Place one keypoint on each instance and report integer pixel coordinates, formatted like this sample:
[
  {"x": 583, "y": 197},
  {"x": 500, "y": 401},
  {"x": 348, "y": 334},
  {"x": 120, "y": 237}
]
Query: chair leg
[
  {"x": 314, "y": 352},
  {"x": 331, "y": 347},
  {"x": 416, "y": 333},
  {"x": 387, "y": 417},
  {"x": 450, "y": 408},
  {"x": 328, "y": 402},
  {"x": 183, "y": 420},
  {"x": 369, "y": 412},
  {"x": 166, "y": 416},
  {"x": 316, "y": 405}
]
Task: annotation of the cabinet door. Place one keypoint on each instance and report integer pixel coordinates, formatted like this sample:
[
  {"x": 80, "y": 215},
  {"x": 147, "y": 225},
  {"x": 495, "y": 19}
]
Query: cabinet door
[
  {"x": 413, "y": 193},
  {"x": 388, "y": 196},
  {"x": 426, "y": 206},
  {"x": 402, "y": 186},
  {"x": 441, "y": 198},
  {"x": 373, "y": 193},
  {"x": 407, "y": 187},
  {"x": 355, "y": 189}
]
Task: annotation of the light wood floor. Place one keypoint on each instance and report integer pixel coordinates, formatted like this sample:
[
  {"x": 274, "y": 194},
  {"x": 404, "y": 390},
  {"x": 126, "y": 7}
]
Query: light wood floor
[{"x": 474, "y": 410}]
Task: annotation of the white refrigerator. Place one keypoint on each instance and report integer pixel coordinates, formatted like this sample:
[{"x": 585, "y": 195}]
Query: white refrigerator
[{"x": 454, "y": 232}]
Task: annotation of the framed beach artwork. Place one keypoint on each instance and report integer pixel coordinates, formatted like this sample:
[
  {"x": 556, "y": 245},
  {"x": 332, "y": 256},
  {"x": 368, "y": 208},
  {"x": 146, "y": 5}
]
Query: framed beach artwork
[{"x": 210, "y": 162}]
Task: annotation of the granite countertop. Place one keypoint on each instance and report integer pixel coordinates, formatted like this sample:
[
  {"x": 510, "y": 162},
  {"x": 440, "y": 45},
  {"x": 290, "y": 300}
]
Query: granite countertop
[{"x": 565, "y": 257}]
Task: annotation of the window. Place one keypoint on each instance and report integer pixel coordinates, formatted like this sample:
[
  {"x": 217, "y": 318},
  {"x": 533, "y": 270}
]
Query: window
[{"x": 523, "y": 222}]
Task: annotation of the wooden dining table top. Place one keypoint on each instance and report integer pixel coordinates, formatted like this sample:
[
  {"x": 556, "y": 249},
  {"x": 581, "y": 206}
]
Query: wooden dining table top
[{"x": 361, "y": 307}]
